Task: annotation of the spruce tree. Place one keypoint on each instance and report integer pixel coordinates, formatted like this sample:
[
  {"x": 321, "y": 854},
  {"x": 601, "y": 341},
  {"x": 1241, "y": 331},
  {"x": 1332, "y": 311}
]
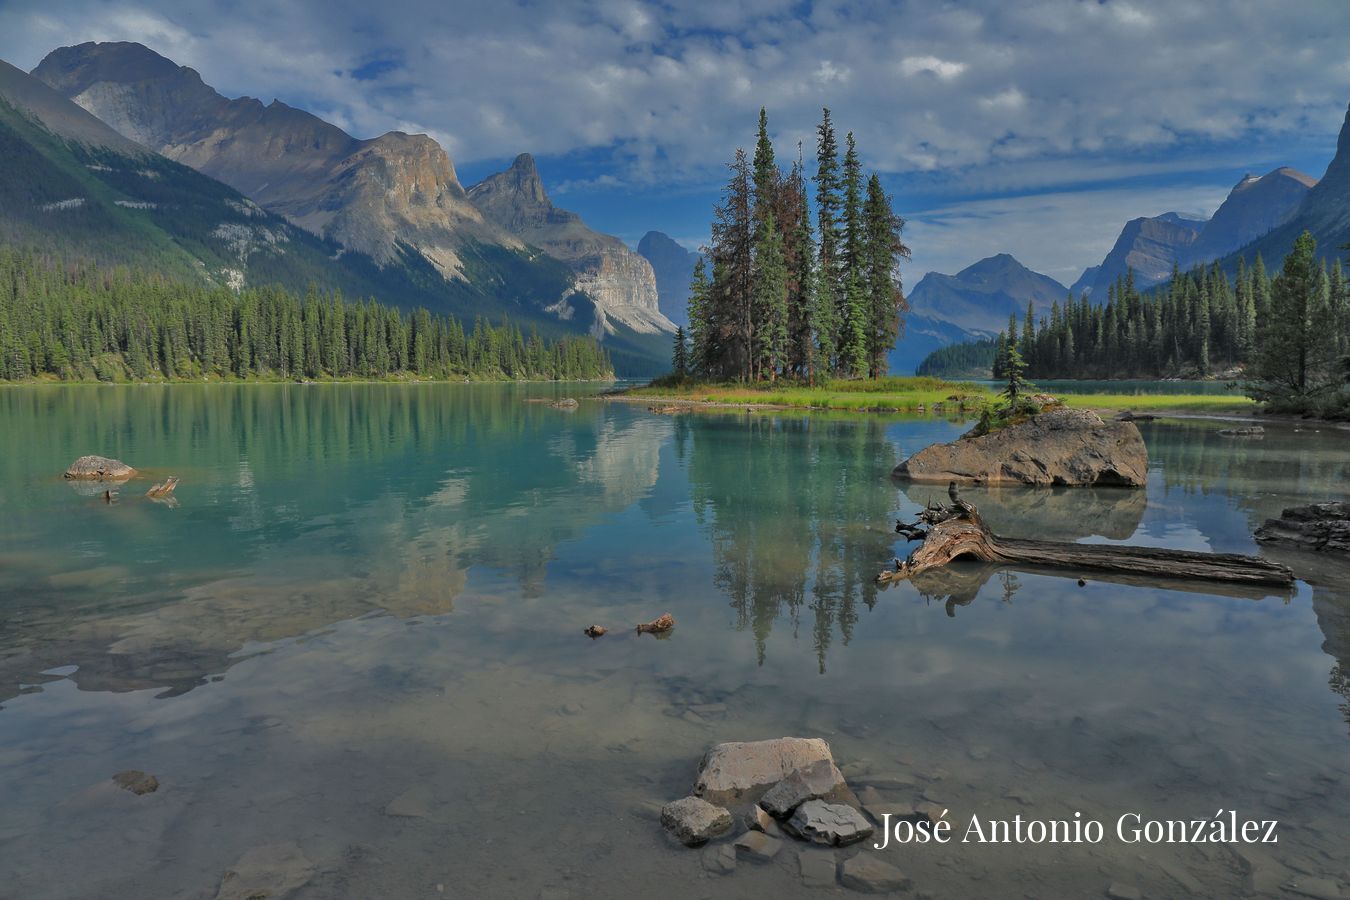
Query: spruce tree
[
  {"x": 882, "y": 246},
  {"x": 829, "y": 205},
  {"x": 680, "y": 356}
]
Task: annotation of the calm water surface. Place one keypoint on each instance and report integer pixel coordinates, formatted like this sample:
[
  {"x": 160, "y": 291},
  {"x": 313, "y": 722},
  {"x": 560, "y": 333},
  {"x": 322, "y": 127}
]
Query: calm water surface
[{"x": 374, "y": 595}]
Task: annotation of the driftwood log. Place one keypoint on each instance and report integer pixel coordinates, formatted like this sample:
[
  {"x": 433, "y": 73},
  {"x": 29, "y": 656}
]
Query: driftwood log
[{"x": 956, "y": 531}]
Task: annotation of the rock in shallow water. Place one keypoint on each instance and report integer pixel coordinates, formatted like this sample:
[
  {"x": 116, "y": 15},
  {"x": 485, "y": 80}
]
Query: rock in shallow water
[
  {"x": 137, "y": 782},
  {"x": 1322, "y": 527},
  {"x": 758, "y": 846},
  {"x": 99, "y": 468},
  {"x": 744, "y": 770},
  {"x": 720, "y": 860},
  {"x": 274, "y": 871},
  {"x": 694, "y": 821},
  {"x": 1057, "y": 447},
  {"x": 812, "y": 782},
  {"x": 833, "y": 824},
  {"x": 869, "y": 874}
]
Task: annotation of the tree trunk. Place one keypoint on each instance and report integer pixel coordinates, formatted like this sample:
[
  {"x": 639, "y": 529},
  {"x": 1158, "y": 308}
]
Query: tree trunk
[{"x": 958, "y": 532}]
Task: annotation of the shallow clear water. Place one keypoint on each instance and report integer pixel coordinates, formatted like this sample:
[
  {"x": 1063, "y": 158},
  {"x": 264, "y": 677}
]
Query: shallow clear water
[
  {"x": 1128, "y": 386},
  {"x": 371, "y": 593}
]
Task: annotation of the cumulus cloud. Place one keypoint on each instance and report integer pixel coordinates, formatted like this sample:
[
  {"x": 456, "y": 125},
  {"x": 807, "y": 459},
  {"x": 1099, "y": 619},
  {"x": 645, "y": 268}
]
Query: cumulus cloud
[{"x": 988, "y": 96}]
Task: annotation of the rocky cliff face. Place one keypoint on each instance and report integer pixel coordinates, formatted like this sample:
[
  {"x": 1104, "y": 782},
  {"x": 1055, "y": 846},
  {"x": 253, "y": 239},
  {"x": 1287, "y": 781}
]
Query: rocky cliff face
[
  {"x": 622, "y": 283},
  {"x": 371, "y": 195},
  {"x": 1147, "y": 246},
  {"x": 674, "y": 267},
  {"x": 1255, "y": 207}
]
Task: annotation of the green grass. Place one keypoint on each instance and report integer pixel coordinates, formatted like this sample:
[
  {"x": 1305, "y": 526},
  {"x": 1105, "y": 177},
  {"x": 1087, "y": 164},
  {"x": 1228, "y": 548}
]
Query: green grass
[
  {"x": 1193, "y": 403},
  {"x": 908, "y": 394}
]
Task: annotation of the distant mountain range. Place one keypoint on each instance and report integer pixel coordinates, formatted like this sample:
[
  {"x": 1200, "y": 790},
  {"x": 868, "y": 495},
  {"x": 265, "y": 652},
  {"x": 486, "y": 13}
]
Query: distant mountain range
[
  {"x": 393, "y": 204},
  {"x": 972, "y": 304},
  {"x": 674, "y": 266},
  {"x": 1152, "y": 246}
]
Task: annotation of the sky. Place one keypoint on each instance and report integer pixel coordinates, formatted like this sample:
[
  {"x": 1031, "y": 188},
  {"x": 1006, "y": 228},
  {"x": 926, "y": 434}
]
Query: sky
[{"x": 1035, "y": 128}]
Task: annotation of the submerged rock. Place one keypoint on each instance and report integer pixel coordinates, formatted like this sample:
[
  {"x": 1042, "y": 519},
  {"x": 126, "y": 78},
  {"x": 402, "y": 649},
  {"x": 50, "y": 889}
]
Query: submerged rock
[
  {"x": 758, "y": 846},
  {"x": 695, "y": 821},
  {"x": 273, "y": 871},
  {"x": 137, "y": 782},
  {"x": 720, "y": 859},
  {"x": 1059, "y": 446},
  {"x": 1321, "y": 527},
  {"x": 866, "y": 873},
  {"x": 833, "y": 824},
  {"x": 99, "y": 468},
  {"x": 817, "y": 868},
  {"x": 745, "y": 770},
  {"x": 1244, "y": 431},
  {"x": 565, "y": 403}
]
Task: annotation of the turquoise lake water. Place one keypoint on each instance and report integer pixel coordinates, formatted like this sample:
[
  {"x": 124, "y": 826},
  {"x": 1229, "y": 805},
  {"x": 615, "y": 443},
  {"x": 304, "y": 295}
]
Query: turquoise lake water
[{"x": 359, "y": 632}]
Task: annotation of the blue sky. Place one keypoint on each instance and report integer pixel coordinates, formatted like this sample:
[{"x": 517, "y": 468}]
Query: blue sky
[{"x": 1035, "y": 128}]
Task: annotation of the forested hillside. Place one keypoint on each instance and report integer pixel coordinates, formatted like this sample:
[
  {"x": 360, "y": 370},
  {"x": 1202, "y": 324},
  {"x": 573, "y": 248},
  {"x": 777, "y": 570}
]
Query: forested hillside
[{"x": 80, "y": 321}]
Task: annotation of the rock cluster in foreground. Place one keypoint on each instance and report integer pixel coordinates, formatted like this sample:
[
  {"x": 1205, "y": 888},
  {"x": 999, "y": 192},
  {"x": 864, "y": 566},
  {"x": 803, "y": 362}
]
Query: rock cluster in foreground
[
  {"x": 1322, "y": 527},
  {"x": 784, "y": 788},
  {"x": 1057, "y": 447}
]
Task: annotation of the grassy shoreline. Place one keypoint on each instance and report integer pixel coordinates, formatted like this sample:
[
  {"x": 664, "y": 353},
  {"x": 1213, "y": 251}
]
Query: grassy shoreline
[{"x": 916, "y": 394}]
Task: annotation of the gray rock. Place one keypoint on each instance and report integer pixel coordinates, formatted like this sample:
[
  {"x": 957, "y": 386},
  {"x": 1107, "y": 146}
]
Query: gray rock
[
  {"x": 870, "y": 874},
  {"x": 1244, "y": 431},
  {"x": 809, "y": 783},
  {"x": 904, "y": 812},
  {"x": 720, "y": 859},
  {"x": 1321, "y": 527},
  {"x": 137, "y": 782},
  {"x": 99, "y": 468},
  {"x": 828, "y": 823},
  {"x": 888, "y": 782},
  {"x": 758, "y": 820},
  {"x": 758, "y": 846},
  {"x": 565, "y": 403},
  {"x": 274, "y": 871},
  {"x": 1317, "y": 888},
  {"x": 817, "y": 869},
  {"x": 1117, "y": 891},
  {"x": 743, "y": 770},
  {"x": 1059, "y": 446},
  {"x": 694, "y": 821},
  {"x": 411, "y": 804}
]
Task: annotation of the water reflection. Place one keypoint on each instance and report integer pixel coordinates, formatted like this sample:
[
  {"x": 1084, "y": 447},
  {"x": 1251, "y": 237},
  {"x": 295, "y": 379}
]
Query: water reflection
[
  {"x": 302, "y": 506},
  {"x": 796, "y": 511}
]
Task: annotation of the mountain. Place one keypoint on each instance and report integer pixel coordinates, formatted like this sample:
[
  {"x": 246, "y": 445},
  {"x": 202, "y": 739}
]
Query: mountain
[
  {"x": 972, "y": 304},
  {"x": 1151, "y": 246},
  {"x": 1148, "y": 246},
  {"x": 981, "y": 296},
  {"x": 1085, "y": 281},
  {"x": 620, "y": 281},
  {"x": 394, "y": 199},
  {"x": 674, "y": 267},
  {"x": 73, "y": 185},
  {"x": 1255, "y": 207},
  {"x": 1325, "y": 212}
]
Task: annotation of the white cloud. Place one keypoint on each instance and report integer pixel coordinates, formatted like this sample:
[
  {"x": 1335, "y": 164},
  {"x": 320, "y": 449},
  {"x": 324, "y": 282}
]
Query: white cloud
[{"x": 943, "y": 69}]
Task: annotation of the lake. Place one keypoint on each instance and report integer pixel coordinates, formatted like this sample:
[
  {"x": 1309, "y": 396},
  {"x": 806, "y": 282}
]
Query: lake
[
  {"x": 1128, "y": 386},
  {"x": 359, "y": 632}
]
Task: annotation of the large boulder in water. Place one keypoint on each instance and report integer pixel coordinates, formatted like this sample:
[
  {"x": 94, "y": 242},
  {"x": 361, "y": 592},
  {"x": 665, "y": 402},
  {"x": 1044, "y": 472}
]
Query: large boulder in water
[
  {"x": 1323, "y": 527},
  {"x": 99, "y": 468},
  {"x": 742, "y": 771},
  {"x": 1058, "y": 446}
]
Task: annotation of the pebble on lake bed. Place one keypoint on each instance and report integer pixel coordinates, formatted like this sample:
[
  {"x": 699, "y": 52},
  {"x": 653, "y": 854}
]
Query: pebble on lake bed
[
  {"x": 694, "y": 821},
  {"x": 137, "y": 782}
]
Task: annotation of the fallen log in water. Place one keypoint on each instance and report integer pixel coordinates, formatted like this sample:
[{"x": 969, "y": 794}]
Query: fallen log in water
[{"x": 956, "y": 531}]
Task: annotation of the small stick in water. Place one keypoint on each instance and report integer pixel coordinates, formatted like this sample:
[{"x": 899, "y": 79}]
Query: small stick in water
[{"x": 164, "y": 488}]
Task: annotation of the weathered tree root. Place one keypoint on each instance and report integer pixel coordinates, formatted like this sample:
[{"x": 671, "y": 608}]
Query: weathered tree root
[{"x": 957, "y": 532}]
